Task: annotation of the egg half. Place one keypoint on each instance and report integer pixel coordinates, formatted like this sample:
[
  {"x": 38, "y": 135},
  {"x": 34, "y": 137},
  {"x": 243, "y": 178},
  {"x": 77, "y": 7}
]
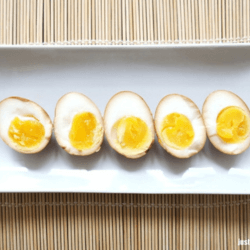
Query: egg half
[
  {"x": 179, "y": 126},
  {"x": 227, "y": 120},
  {"x": 129, "y": 126},
  {"x": 78, "y": 124},
  {"x": 24, "y": 125}
]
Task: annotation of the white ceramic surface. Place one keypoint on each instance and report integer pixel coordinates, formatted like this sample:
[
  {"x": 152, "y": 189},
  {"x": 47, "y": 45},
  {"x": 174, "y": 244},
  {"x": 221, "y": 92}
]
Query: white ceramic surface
[{"x": 45, "y": 74}]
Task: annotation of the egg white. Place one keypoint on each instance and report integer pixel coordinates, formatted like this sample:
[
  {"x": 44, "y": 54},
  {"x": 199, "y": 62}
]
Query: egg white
[
  {"x": 213, "y": 105},
  {"x": 125, "y": 104},
  {"x": 19, "y": 107},
  {"x": 67, "y": 107},
  {"x": 175, "y": 103}
]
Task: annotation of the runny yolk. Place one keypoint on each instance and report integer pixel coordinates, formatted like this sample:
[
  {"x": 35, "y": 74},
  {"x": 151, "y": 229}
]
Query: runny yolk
[
  {"x": 233, "y": 125},
  {"x": 26, "y": 133},
  {"x": 177, "y": 131},
  {"x": 132, "y": 132},
  {"x": 83, "y": 131}
]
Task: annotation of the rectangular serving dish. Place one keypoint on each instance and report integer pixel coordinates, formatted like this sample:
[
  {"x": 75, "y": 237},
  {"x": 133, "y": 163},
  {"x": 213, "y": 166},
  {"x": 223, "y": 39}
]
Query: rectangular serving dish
[{"x": 44, "y": 74}]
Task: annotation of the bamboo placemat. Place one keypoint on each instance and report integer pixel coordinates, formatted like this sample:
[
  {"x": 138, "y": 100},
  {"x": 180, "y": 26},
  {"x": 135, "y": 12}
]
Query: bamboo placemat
[
  {"x": 129, "y": 22},
  {"x": 114, "y": 221}
]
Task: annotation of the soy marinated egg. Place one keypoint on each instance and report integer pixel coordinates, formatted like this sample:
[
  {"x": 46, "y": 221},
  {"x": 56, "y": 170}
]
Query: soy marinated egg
[
  {"x": 179, "y": 126},
  {"x": 24, "y": 125},
  {"x": 78, "y": 125},
  {"x": 227, "y": 120},
  {"x": 129, "y": 126}
]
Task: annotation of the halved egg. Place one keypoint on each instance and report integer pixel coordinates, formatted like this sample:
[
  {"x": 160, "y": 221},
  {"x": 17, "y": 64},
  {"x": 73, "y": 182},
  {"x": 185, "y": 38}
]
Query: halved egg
[
  {"x": 129, "y": 126},
  {"x": 78, "y": 124},
  {"x": 227, "y": 120},
  {"x": 24, "y": 125},
  {"x": 179, "y": 126}
]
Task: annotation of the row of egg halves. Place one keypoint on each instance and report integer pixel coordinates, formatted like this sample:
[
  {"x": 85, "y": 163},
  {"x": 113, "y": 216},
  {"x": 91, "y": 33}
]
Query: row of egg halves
[{"x": 128, "y": 124}]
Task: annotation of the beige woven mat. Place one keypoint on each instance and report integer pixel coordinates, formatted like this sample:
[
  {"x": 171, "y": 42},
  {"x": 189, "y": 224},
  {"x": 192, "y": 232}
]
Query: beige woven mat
[
  {"x": 98, "y": 221},
  {"x": 124, "y": 21}
]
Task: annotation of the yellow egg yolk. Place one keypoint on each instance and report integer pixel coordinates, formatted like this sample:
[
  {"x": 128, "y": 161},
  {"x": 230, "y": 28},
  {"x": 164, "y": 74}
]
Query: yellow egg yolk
[
  {"x": 177, "y": 131},
  {"x": 26, "y": 133},
  {"x": 85, "y": 131},
  {"x": 132, "y": 133},
  {"x": 233, "y": 125}
]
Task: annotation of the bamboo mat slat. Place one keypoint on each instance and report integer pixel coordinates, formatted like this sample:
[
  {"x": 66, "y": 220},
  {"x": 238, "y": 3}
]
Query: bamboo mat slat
[
  {"x": 124, "y": 22},
  {"x": 123, "y": 221}
]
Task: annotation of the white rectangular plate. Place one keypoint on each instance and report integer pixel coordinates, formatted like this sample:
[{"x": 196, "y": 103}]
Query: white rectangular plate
[{"x": 45, "y": 74}]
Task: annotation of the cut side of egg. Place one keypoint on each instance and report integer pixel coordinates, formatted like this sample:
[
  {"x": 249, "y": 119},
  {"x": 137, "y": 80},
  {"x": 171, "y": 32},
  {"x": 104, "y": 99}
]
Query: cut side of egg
[
  {"x": 179, "y": 126},
  {"x": 24, "y": 125},
  {"x": 78, "y": 125},
  {"x": 227, "y": 120},
  {"x": 129, "y": 126}
]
